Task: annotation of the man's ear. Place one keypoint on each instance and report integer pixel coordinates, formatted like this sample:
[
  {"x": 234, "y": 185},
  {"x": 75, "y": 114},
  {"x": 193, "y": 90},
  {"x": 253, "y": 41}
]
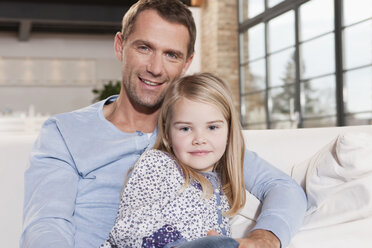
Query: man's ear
[
  {"x": 188, "y": 63},
  {"x": 118, "y": 46}
]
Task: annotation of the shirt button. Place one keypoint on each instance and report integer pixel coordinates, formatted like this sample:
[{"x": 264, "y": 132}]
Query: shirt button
[
  {"x": 222, "y": 226},
  {"x": 219, "y": 207},
  {"x": 216, "y": 191}
]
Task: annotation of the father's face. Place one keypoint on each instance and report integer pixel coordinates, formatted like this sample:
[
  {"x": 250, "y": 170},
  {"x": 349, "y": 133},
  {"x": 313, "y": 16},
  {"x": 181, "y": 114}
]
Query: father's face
[{"x": 153, "y": 56}]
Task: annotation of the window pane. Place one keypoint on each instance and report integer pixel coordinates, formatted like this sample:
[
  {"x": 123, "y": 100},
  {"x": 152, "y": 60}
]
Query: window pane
[
  {"x": 254, "y": 110},
  {"x": 359, "y": 119},
  {"x": 321, "y": 122},
  {"x": 256, "y": 42},
  {"x": 255, "y": 7},
  {"x": 282, "y": 68},
  {"x": 312, "y": 24},
  {"x": 358, "y": 90},
  {"x": 318, "y": 57},
  {"x": 358, "y": 45},
  {"x": 254, "y": 76},
  {"x": 281, "y": 32},
  {"x": 282, "y": 103},
  {"x": 318, "y": 97},
  {"x": 356, "y": 10},
  {"x": 274, "y": 2}
]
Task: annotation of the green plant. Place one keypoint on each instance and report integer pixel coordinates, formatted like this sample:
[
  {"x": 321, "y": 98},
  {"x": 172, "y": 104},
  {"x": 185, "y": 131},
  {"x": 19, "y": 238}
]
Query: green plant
[{"x": 108, "y": 89}]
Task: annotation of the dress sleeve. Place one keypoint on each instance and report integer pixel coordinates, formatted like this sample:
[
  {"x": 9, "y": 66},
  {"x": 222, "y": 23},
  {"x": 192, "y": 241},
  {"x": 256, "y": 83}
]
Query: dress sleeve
[
  {"x": 50, "y": 192},
  {"x": 283, "y": 201},
  {"x": 152, "y": 184}
]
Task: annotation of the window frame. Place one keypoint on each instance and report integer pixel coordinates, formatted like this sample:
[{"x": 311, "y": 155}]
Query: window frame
[{"x": 339, "y": 72}]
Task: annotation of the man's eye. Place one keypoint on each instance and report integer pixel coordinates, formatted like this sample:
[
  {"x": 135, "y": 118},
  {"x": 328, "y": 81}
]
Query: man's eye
[
  {"x": 143, "y": 48},
  {"x": 172, "y": 55}
]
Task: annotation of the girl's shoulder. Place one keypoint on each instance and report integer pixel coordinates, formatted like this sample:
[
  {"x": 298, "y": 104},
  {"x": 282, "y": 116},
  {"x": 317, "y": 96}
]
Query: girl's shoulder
[
  {"x": 155, "y": 155},
  {"x": 154, "y": 160}
]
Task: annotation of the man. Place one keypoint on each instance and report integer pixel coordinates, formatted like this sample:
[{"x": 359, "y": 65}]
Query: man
[{"x": 80, "y": 160}]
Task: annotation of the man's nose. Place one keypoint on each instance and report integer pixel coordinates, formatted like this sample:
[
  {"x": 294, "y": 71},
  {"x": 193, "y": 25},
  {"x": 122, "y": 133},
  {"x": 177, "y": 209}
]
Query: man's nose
[{"x": 155, "y": 64}]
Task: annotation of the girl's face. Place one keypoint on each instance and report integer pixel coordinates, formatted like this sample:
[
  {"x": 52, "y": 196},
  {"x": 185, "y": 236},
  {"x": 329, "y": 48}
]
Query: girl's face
[{"x": 198, "y": 134}]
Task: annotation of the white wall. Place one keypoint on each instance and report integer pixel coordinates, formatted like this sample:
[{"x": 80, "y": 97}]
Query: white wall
[
  {"x": 27, "y": 75},
  {"x": 21, "y": 88}
]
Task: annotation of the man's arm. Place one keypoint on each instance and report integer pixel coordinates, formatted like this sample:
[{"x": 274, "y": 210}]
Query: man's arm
[
  {"x": 283, "y": 201},
  {"x": 50, "y": 192}
]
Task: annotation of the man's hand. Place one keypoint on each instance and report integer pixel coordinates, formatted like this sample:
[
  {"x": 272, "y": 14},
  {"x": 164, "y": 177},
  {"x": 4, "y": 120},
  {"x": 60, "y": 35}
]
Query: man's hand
[{"x": 259, "y": 239}]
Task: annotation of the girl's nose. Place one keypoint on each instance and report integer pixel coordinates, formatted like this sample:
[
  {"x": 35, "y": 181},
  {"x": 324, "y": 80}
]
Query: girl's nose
[{"x": 198, "y": 140}]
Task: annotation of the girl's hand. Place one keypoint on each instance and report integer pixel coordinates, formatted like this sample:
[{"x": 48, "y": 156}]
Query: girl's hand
[{"x": 212, "y": 233}]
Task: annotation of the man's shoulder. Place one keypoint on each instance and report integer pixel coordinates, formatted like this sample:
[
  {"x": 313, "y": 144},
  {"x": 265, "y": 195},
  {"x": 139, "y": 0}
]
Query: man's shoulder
[
  {"x": 84, "y": 115},
  {"x": 84, "y": 120},
  {"x": 80, "y": 114}
]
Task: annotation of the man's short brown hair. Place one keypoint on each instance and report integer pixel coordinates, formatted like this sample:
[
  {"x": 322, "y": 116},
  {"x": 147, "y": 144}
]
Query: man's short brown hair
[{"x": 171, "y": 10}]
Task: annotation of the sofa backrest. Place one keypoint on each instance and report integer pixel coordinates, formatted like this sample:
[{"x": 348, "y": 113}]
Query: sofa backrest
[{"x": 285, "y": 147}]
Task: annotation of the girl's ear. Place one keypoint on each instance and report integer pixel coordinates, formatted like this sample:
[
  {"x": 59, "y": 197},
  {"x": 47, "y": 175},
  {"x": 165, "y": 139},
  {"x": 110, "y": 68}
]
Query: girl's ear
[
  {"x": 167, "y": 145},
  {"x": 167, "y": 142}
]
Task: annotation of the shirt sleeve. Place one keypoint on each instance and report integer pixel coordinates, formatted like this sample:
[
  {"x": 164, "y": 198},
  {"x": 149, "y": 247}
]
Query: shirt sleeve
[
  {"x": 50, "y": 192},
  {"x": 283, "y": 201}
]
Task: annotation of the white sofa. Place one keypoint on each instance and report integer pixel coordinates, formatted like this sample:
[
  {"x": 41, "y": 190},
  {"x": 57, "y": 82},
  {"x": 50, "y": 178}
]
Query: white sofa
[
  {"x": 14, "y": 153},
  {"x": 345, "y": 210},
  {"x": 283, "y": 148}
]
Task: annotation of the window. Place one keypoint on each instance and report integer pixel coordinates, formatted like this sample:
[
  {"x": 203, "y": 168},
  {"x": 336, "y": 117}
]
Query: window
[{"x": 305, "y": 63}]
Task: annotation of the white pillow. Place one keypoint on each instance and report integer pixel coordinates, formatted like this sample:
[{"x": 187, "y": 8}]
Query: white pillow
[{"x": 338, "y": 181}]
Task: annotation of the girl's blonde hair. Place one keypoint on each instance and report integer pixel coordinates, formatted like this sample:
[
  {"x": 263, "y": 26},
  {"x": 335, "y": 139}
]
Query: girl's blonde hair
[{"x": 207, "y": 88}]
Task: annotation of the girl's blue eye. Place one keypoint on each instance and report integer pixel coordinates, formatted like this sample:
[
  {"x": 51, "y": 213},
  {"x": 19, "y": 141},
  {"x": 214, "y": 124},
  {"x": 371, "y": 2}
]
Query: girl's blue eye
[
  {"x": 185, "y": 129},
  {"x": 212, "y": 127}
]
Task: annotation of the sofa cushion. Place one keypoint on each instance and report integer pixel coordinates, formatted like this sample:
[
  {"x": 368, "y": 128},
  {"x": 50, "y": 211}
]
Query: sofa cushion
[{"x": 338, "y": 181}]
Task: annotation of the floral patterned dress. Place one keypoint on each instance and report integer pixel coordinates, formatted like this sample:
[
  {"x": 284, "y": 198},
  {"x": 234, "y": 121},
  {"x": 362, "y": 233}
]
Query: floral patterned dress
[{"x": 155, "y": 212}]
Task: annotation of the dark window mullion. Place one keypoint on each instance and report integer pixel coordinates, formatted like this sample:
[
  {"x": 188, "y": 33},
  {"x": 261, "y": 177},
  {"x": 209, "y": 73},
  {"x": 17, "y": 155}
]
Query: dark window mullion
[
  {"x": 268, "y": 115},
  {"x": 338, "y": 5},
  {"x": 267, "y": 109},
  {"x": 241, "y": 78},
  {"x": 241, "y": 67},
  {"x": 298, "y": 108}
]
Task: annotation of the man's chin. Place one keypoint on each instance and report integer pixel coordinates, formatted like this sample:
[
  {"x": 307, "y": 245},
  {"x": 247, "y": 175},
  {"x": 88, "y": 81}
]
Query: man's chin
[{"x": 147, "y": 106}]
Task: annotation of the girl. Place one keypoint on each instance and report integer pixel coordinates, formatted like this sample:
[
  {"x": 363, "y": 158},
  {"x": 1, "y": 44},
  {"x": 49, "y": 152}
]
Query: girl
[{"x": 192, "y": 181}]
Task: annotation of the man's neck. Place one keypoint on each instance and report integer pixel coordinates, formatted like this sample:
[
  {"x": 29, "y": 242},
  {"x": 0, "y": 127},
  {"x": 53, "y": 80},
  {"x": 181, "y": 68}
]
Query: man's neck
[{"x": 128, "y": 119}]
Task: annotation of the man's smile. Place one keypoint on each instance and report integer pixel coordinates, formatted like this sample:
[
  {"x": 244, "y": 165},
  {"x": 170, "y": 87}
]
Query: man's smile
[{"x": 150, "y": 83}]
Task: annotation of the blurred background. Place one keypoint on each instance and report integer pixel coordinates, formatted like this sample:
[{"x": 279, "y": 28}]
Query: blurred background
[{"x": 290, "y": 63}]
